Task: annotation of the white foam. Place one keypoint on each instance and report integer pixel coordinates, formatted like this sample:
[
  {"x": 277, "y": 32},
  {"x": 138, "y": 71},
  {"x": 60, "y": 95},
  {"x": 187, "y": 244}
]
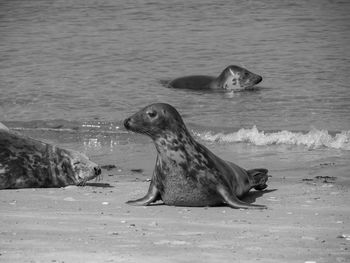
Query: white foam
[{"x": 313, "y": 139}]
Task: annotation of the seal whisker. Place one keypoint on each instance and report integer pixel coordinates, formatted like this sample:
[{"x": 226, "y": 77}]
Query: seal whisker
[{"x": 83, "y": 182}]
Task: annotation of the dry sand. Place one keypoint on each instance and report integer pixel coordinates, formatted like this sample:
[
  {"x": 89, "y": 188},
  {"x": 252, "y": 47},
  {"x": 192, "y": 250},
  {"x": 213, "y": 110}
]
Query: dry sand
[{"x": 307, "y": 221}]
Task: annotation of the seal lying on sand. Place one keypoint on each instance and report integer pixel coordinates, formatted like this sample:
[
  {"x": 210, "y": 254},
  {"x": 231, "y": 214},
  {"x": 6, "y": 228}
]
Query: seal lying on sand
[
  {"x": 231, "y": 78},
  {"x": 26, "y": 162},
  {"x": 186, "y": 172}
]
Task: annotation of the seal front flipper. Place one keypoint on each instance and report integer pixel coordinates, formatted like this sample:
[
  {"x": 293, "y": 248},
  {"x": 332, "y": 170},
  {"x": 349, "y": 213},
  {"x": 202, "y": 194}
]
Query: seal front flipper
[
  {"x": 232, "y": 200},
  {"x": 152, "y": 196}
]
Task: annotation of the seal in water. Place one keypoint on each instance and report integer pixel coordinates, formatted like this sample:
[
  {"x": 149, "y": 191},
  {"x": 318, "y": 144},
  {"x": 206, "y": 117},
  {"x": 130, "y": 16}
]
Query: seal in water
[
  {"x": 186, "y": 172},
  {"x": 232, "y": 78},
  {"x": 26, "y": 162}
]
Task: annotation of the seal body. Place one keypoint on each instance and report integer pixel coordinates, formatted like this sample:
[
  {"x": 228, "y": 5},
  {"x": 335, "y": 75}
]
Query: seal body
[
  {"x": 26, "y": 163},
  {"x": 187, "y": 173},
  {"x": 231, "y": 78}
]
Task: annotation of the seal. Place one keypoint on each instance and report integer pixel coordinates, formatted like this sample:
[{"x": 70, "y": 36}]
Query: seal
[
  {"x": 26, "y": 163},
  {"x": 186, "y": 172},
  {"x": 232, "y": 78}
]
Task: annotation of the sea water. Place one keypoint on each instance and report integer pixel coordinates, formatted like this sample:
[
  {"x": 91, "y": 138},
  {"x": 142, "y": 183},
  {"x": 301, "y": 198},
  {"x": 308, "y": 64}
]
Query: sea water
[{"x": 71, "y": 71}]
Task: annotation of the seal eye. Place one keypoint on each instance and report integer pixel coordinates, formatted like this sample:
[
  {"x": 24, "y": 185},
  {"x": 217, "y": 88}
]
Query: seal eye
[{"x": 152, "y": 114}]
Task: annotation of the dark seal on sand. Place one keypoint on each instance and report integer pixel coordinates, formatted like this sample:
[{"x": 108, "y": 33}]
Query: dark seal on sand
[
  {"x": 231, "y": 78},
  {"x": 26, "y": 162},
  {"x": 186, "y": 172}
]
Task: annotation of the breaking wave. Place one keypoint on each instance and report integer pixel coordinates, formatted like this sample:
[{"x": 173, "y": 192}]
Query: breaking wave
[{"x": 313, "y": 139}]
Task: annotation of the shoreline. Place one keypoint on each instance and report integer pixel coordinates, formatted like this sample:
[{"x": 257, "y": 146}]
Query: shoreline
[{"x": 305, "y": 221}]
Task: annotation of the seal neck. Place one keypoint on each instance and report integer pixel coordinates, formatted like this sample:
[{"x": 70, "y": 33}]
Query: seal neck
[{"x": 175, "y": 145}]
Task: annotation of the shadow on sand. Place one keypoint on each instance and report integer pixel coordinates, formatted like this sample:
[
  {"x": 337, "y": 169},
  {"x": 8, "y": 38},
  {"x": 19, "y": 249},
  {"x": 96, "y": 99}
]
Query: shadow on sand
[{"x": 251, "y": 196}]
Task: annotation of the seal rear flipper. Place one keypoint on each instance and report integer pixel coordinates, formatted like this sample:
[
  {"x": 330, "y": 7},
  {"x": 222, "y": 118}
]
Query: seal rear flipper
[
  {"x": 152, "y": 196},
  {"x": 232, "y": 201},
  {"x": 259, "y": 178}
]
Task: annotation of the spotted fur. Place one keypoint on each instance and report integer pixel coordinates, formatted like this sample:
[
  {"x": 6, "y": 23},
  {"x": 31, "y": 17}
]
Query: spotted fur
[
  {"x": 26, "y": 162},
  {"x": 187, "y": 173}
]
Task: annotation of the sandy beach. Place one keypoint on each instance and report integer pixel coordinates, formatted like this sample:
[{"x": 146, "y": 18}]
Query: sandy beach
[
  {"x": 73, "y": 71},
  {"x": 307, "y": 220}
]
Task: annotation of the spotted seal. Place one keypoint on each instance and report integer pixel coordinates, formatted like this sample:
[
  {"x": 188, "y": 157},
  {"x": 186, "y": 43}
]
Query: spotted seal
[
  {"x": 187, "y": 173},
  {"x": 232, "y": 78},
  {"x": 26, "y": 163}
]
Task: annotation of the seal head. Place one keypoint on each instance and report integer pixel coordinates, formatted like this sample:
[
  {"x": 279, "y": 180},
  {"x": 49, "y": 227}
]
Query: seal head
[
  {"x": 157, "y": 121},
  {"x": 236, "y": 78},
  {"x": 187, "y": 173},
  {"x": 78, "y": 167}
]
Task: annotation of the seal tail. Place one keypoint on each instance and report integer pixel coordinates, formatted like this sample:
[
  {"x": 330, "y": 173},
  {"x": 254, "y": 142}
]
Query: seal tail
[{"x": 259, "y": 178}]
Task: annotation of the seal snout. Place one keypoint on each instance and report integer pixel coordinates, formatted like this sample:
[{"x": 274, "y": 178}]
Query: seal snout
[
  {"x": 258, "y": 79},
  {"x": 127, "y": 123}
]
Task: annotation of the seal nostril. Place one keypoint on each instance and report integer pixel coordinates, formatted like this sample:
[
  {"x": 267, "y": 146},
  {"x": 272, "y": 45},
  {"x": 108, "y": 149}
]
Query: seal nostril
[
  {"x": 259, "y": 79},
  {"x": 126, "y": 123},
  {"x": 97, "y": 170}
]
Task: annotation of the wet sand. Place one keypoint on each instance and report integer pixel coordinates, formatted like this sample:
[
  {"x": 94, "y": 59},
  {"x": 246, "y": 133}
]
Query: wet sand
[{"x": 307, "y": 221}]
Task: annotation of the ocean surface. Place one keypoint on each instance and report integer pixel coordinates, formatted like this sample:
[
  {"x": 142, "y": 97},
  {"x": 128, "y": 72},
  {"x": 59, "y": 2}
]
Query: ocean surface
[{"x": 71, "y": 71}]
